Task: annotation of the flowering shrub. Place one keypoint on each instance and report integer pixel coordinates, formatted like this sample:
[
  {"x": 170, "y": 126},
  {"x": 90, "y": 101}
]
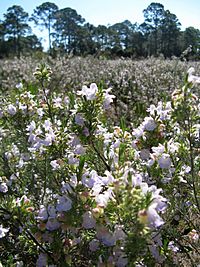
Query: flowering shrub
[
  {"x": 136, "y": 84},
  {"x": 77, "y": 190}
]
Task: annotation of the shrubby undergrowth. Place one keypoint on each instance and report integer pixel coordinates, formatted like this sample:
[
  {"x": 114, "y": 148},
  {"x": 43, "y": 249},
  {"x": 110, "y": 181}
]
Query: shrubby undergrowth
[
  {"x": 136, "y": 84},
  {"x": 78, "y": 189}
]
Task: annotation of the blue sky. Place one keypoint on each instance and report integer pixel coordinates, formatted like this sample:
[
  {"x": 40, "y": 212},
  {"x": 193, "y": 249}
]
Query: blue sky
[{"x": 112, "y": 11}]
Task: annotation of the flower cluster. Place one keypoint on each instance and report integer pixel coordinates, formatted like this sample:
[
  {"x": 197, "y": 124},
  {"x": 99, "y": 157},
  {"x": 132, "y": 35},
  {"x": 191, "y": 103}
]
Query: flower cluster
[{"x": 77, "y": 189}]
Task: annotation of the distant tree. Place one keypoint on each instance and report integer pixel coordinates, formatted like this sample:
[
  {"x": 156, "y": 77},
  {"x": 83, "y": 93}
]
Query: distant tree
[
  {"x": 31, "y": 44},
  {"x": 44, "y": 16},
  {"x": 16, "y": 26},
  {"x": 102, "y": 36},
  {"x": 84, "y": 43},
  {"x": 3, "y": 48},
  {"x": 153, "y": 15},
  {"x": 170, "y": 33},
  {"x": 123, "y": 32},
  {"x": 67, "y": 27},
  {"x": 191, "y": 38}
]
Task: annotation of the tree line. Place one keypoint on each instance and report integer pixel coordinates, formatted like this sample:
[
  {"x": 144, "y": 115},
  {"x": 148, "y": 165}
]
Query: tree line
[{"x": 68, "y": 32}]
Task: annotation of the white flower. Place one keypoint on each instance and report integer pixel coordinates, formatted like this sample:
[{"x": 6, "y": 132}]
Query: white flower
[
  {"x": 138, "y": 132},
  {"x": 153, "y": 218},
  {"x": 54, "y": 164},
  {"x": 192, "y": 78},
  {"x": 152, "y": 109},
  {"x": 3, "y": 188},
  {"x": 57, "y": 102},
  {"x": 3, "y": 231},
  {"x": 190, "y": 71},
  {"x": 102, "y": 199},
  {"x": 90, "y": 92},
  {"x": 19, "y": 86}
]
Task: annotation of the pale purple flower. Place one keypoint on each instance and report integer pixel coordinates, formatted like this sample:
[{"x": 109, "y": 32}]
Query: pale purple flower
[
  {"x": 52, "y": 211},
  {"x": 136, "y": 179},
  {"x": 40, "y": 112},
  {"x": 155, "y": 251},
  {"x": 94, "y": 245},
  {"x": 106, "y": 237},
  {"x": 88, "y": 220},
  {"x": 173, "y": 247},
  {"x": 90, "y": 179},
  {"x": 74, "y": 140},
  {"x": 79, "y": 150},
  {"x": 122, "y": 261},
  {"x": 42, "y": 214},
  {"x": 19, "y": 86},
  {"x": 108, "y": 99},
  {"x": 52, "y": 224},
  {"x": 79, "y": 120},
  {"x": 49, "y": 138},
  {"x": 86, "y": 131},
  {"x": 144, "y": 154},
  {"x": 1, "y": 113},
  {"x": 63, "y": 203},
  {"x": 72, "y": 159},
  {"x": 164, "y": 161},
  {"x": 11, "y": 109},
  {"x": 108, "y": 179},
  {"x": 119, "y": 234},
  {"x": 68, "y": 187},
  {"x": 47, "y": 125},
  {"x": 23, "y": 107},
  {"x": 149, "y": 124},
  {"x": 42, "y": 260}
]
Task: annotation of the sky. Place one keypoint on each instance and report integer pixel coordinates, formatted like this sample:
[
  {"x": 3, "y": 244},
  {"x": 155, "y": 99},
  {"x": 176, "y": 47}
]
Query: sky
[{"x": 107, "y": 12}]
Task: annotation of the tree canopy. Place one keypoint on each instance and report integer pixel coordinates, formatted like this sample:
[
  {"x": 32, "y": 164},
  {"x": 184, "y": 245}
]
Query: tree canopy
[{"x": 69, "y": 32}]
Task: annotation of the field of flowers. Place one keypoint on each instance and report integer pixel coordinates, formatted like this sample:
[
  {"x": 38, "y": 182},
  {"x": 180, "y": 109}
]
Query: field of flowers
[{"x": 99, "y": 162}]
